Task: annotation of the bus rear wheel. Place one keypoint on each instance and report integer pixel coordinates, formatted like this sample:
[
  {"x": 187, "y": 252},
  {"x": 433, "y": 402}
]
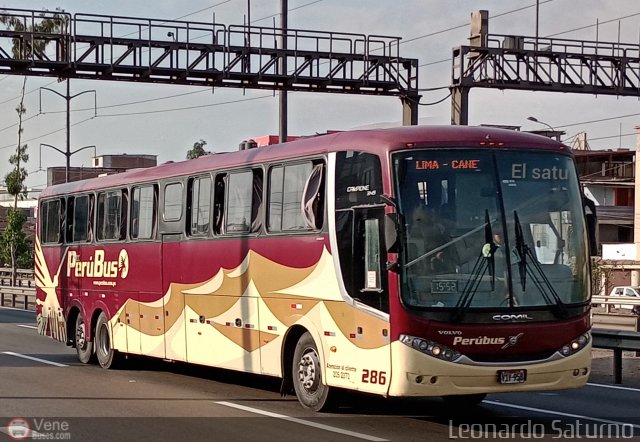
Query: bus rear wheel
[
  {"x": 307, "y": 375},
  {"x": 84, "y": 348},
  {"x": 106, "y": 355}
]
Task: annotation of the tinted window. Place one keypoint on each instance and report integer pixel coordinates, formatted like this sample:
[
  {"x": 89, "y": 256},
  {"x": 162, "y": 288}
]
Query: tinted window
[
  {"x": 81, "y": 219},
  {"x": 358, "y": 179},
  {"x": 173, "y": 202},
  {"x": 50, "y": 222},
  {"x": 142, "y": 212}
]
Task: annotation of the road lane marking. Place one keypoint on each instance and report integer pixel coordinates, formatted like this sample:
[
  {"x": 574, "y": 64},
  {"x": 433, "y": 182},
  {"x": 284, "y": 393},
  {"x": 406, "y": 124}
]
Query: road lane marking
[
  {"x": 18, "y": 309},
  {"x": 559, "y": 413},
  {"x": 57, "y": 364},
  {"x": 615, "y": 387},
  {"x": 27, "y": 326},
  {"x": 302, "y": 421}
]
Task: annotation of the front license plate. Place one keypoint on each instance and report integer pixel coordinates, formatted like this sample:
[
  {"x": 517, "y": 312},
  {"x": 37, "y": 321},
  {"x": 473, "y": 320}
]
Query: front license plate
[{"x": 512, "y": 376}]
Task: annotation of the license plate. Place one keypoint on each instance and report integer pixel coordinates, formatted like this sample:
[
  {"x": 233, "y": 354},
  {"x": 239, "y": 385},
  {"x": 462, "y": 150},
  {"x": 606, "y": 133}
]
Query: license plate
[{"x": 512, "y": 376}]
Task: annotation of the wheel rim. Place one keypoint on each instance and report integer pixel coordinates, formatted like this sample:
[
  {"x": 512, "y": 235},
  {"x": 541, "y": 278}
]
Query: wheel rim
[
  {"x": 81, "y": 341},
  {"x": 309, "y": 371},
  {"x": 103, "y": 339}
]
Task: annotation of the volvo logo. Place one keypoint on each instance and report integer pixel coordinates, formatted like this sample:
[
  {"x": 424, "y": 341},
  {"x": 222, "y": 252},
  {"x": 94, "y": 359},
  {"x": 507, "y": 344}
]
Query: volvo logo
[
  {"x": 512, "y": 341},
  {"x": 518, "y": 317}
]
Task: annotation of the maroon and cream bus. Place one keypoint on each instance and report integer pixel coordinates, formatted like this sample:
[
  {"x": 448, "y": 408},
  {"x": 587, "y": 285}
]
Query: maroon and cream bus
[{"x": 416, "y": 261}]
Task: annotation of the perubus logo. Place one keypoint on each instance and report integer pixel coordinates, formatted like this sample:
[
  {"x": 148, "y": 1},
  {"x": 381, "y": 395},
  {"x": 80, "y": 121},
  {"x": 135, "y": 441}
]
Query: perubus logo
[{"x": 96, "y": 266}]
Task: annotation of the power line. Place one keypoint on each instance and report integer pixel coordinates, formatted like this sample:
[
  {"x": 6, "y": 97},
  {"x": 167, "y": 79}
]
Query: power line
[
  {"x": 48, "y": 133},
  {"x": 442, "y": 31},
  {"x": 288, "y": 10}
]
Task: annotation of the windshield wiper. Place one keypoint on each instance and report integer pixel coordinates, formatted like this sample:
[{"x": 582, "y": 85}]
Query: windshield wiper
[
  {"x": 539, "y": 277},
  {"x": 484, "y": 261}
]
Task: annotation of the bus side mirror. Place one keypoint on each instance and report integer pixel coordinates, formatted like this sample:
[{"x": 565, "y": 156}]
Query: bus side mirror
[
  {"x": 591, "y": 219},
  {"x": 391, "y": 223},
  {"x": 592, "y": 233}
]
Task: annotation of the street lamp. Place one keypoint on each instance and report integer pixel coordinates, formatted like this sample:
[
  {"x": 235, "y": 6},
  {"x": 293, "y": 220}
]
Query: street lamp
[
  {"x": 67, "y": 154},
  {"x": 68, "y": 97},
  {"x": 535, "y": 120}
]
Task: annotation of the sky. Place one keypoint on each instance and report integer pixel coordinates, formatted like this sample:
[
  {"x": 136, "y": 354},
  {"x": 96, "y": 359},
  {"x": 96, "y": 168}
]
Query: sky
[{"x": 151, "y": 119}]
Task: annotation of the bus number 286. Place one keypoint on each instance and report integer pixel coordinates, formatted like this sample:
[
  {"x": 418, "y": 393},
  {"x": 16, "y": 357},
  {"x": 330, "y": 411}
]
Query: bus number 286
[{"x": 374, "y": 377}]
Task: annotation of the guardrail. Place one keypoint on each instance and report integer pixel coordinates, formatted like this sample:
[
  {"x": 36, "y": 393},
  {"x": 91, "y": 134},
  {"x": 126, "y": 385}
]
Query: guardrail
[
  {"x": 19, "y": 297},
  {"x": 24, "y": 277},
  {"x": 615, "y": 301},
  {"x": 618, "y": 341}
]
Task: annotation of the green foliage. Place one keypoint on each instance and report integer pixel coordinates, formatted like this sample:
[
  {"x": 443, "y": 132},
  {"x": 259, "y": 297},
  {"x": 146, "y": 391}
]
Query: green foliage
[
  {"x": 600, "y": 276},
  {"x": 13, "y": 241},
  {"x": 197, "y": 150},
  {"x": 48, "y": 23}
]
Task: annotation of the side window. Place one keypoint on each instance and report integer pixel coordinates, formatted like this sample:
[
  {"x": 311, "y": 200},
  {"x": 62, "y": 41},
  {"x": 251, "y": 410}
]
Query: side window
[
  {"x": 143, "y": 210},
  {"x": 358, "y": 179},
  {"x": 296, "y": 197},
  {"x": 238, "y": 202},
  {"x": 111, "y": 216},
  {"x": 81, "y": 219},
  {"x": 218, "y": 203},
  {"x": 172, "y": 210},
  {"x": 50, "y": 217},
  {"x": 200, "y": 205}
]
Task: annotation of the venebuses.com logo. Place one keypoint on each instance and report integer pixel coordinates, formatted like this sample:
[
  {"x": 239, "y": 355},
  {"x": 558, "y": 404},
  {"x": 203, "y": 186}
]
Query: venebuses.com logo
[{"x": 18, "y": 429}]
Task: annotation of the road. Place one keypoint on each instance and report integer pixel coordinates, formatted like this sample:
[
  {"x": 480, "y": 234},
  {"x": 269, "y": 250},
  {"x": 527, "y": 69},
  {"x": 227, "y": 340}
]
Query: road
[{"x": 42, "y": 383}]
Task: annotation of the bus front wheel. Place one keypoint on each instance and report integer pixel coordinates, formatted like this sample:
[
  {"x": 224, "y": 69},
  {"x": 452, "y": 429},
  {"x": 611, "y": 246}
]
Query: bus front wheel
[
  {"x": 105, "y": 353},
  {"x": 84, "y": 347},
  {"x": 307, "y": 375}
]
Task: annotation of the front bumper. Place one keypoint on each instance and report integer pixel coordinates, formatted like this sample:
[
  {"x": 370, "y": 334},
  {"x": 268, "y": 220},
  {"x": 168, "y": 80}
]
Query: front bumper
[{"x": 416, "y": 374}]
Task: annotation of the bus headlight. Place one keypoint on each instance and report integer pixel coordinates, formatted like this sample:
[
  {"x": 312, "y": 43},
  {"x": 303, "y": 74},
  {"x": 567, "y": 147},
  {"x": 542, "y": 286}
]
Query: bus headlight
[
  {"x": 576, "y": 345},
  {"x": 430, "y": 348}
]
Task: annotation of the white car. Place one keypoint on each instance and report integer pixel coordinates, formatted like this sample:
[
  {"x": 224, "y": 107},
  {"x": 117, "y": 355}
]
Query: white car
[{"x": 627, "y": 292}]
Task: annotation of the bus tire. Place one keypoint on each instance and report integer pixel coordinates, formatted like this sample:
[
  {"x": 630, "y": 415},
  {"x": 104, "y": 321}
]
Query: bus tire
[
  {"x": 306, "y": 372},
  {"x": 106, "y": 355},
  {"x": 84, "y": 348}
]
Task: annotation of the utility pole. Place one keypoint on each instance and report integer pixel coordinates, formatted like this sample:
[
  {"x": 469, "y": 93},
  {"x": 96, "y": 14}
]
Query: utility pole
[
  {"x": 283, "y": 70},
  {"x": 68, "y": 97}
]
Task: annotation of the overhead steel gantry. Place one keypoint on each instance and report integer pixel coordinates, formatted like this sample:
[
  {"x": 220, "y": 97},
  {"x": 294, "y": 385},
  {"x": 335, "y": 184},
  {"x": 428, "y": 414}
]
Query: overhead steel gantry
[
  {"x": 99, "y": 47},
  {"x": 543, "y": 64}
]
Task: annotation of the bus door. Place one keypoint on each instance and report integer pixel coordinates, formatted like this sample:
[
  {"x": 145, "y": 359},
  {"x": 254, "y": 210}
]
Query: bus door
[
  {"x": 360, "y": 233},
  {"x": 359, "y": 227},
  {"x": 171, "y": 222}
]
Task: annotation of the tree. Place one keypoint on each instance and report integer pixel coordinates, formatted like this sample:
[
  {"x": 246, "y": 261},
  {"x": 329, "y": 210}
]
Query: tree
[
  {"x": 49, "y": 23},
  {"x": 15, "y": 247},
  {"x": 197, "y": 150}
]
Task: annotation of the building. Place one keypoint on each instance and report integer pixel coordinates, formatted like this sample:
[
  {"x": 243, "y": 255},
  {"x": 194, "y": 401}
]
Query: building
[{"x": 102, "y": 164}]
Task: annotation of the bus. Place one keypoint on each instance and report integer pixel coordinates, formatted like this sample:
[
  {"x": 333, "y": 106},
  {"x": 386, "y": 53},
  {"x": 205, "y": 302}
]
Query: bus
[{"x": 405, "y": 262}]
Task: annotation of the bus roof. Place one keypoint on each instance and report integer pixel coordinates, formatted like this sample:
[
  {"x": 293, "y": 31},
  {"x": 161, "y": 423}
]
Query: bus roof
[{"x": 374, "y": 141}]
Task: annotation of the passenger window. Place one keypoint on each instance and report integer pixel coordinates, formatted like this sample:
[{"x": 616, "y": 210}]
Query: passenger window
[
  {"x": 243, "y": 207},
  {"x": 143, "y": 205},
  {"x": 81, "y": 219},
  {"x": 296, "y": 198},
  {"x": 50, "y": 218},
  {"x": 172, "y": 210},
  {"x": 200, "y": 205},
  {"x": 111, "y": 216}
]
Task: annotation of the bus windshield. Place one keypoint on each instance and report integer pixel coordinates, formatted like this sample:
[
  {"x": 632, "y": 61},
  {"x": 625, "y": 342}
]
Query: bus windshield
[{"x": 491, "y": 229}]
